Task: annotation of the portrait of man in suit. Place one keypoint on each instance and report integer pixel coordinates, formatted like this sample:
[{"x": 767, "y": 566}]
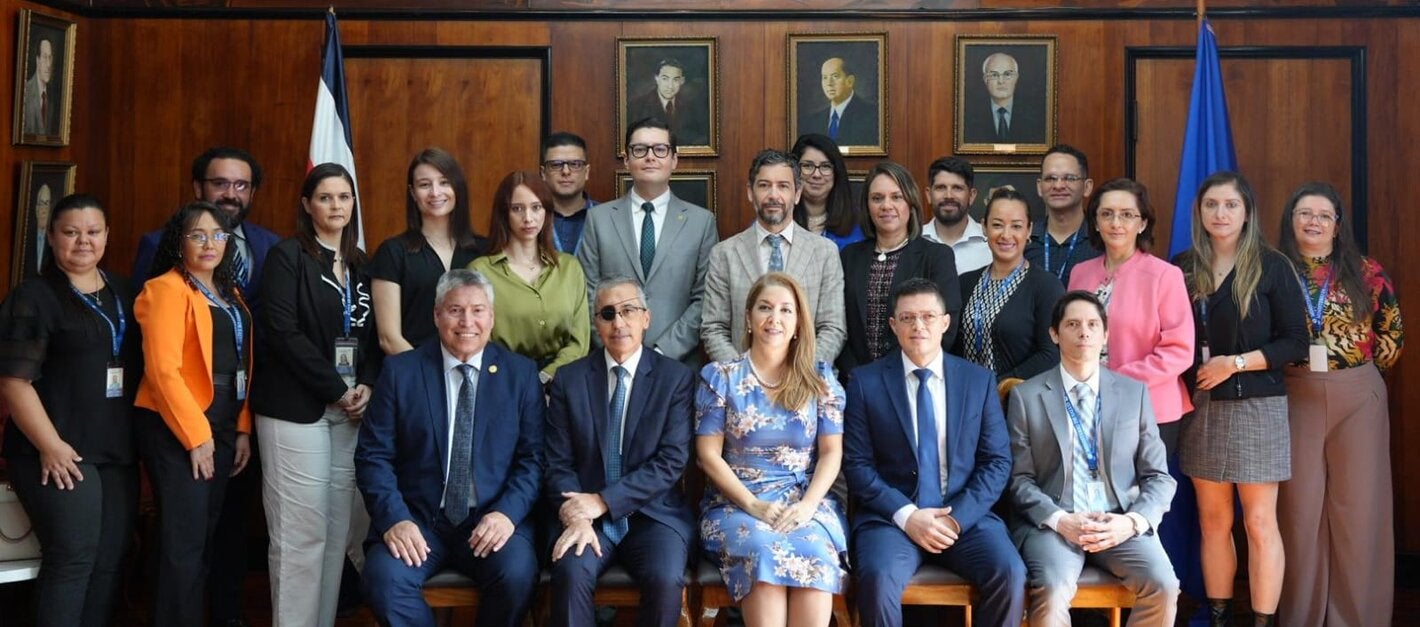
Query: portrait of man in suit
[
  {"x": 42, "y": 80},
  {"x": 838, "y": 91},
  {"x": 673, "y": 83},
  {"x": 44, "y": 200},
  {"x": 40, "y": 102},
  {"x": 1004, "y": 93}
]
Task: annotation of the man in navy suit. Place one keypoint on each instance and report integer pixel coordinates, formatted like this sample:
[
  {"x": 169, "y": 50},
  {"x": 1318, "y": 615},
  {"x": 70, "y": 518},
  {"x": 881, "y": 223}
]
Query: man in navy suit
[
  {"x": 925, "y": 480},
  {"x": 618, "y": 438},
  {"x": 449, "y": 462}
]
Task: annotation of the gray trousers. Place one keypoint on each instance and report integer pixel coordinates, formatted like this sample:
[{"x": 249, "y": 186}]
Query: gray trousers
[{"x": 1053, "y": 567}]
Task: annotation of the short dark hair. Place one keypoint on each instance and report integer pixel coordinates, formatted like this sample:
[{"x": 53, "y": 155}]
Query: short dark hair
[
  {"x": 562, "y": 138},
  {"x": 914, "y": 287},
  {"x": 671, "y": 61},
  {"x": 957, "y": 166},
  {"x": 72, "y": 202},
  {"x": 650, "y": 122},
  {"x": 848, "y": 65},
  {"x": 1006, "y": 193},
  {"x": 770, "y": 156},
  {"x": 1058, "y": 313},
  {"x": 1067, "y": 149},
  {"x": 1145, "y": 238},
  {"x": 199, "y": 165}
]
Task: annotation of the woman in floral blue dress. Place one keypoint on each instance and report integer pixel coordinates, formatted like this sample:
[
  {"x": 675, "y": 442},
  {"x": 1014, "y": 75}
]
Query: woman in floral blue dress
[{"x": 769, "y": 436}]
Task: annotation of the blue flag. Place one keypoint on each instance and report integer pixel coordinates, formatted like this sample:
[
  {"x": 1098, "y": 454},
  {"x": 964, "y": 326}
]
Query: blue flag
[{"x": 1207, "y": 141}]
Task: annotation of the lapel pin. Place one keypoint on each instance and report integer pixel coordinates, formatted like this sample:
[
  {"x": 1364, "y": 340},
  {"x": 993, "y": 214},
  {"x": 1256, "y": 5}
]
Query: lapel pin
[
  {"x": 680, "y": 217},
  {"x": 493, "y": 369}
]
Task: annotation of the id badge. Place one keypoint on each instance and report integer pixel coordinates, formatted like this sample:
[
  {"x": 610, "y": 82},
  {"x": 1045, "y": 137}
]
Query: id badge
[
  {"x": 241, "y": 384},
  {"x": 346, "y": 355},
  {"x": 1316, "y": 356},
  {"x": 1206, "y": 354},
  {"x": 113, "y": 381},
  {"x": 1094, "y": 491}
]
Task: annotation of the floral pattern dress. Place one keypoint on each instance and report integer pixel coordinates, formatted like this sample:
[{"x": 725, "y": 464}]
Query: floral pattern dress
[{"x": 773, "y": 452}]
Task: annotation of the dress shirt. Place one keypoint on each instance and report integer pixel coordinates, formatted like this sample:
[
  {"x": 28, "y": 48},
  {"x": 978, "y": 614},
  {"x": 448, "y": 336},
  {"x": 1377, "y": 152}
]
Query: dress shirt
[
  {"x": 1010, "y": 111},
  {"x": 1094, "y": 384},
  {"x": 630, "y": 365},
  {"x": 766, "y": 249},
  {"x": 971, "y": 250},
  {"x": 658, "y": 217},
  {"x": 453, "y": 380},
  {"x": 839, "y": 109},
  {"x": 937, "y": 385}
]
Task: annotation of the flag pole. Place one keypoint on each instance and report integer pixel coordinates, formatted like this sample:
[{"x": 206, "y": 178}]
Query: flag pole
[{"x": 1202, "y": 12}]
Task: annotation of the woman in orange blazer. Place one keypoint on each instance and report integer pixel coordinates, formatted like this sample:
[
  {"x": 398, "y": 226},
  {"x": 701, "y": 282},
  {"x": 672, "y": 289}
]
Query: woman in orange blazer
[{"x": 197, "y": 367}]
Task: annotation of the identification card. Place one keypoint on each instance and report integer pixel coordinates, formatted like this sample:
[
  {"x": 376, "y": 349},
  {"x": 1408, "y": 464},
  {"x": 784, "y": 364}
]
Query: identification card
[
  {"x": 113, "y": 381},
  {"x": 346, "y": 355},
  {"x": 1316, "y": 355},
  {"x": 1206, "y": 354},
  {"x": 241, "y": 384},
  {"x": 1094, "y": 491}
]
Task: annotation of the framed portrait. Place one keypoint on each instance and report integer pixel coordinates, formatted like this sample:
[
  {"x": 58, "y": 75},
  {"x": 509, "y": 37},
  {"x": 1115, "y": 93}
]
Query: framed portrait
[
  {"x": 696, "y": 187},
  {"x": 42, "y": 184},
  {"x": 1005, "y": 94},
  {"x": 44, "y": 79},
  {"x": 676, "y": 80},
  {"x": 1021, "y": 178},
  {"x": 838, "y": 88},
  {"x": 857, "y": 184}
]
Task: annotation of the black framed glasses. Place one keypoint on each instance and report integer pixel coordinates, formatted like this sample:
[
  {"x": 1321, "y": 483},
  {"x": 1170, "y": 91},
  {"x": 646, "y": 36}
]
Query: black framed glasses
[
  {"x": 575, "y": 165},
  {"x": 807, "y": 168},
  {"x": 640, "y": 150}
]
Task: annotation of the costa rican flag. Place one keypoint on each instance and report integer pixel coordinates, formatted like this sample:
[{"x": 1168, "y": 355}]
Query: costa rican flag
[{"x": 330, "y": 132}]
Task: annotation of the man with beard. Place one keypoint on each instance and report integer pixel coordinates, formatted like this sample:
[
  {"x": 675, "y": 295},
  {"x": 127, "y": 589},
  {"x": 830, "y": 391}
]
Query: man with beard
[
  {"x": 228, "y": 177},
  {"x": 1062, "y": 240},
  {"x": 565, "y": 170},
  {"x": 774, "y": 243},
  {"x": 950, "y": 194}
]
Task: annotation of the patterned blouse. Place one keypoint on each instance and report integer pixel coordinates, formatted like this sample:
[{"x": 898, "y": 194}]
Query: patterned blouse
[
  {"x": 1349, "y": 344},
  {"x": 879, "y": 288}
]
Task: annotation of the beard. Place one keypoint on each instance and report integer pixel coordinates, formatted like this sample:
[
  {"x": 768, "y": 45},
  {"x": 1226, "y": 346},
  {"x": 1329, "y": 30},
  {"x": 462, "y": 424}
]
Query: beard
[
  {"x": 945, "y": 215},
  {"x": 234, "y": 210},
  {"x": 772, "y": 219}
]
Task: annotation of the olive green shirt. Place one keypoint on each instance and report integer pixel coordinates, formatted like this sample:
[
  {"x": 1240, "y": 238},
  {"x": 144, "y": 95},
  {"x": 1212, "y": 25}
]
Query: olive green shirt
[{"x": 546, "y": 321}]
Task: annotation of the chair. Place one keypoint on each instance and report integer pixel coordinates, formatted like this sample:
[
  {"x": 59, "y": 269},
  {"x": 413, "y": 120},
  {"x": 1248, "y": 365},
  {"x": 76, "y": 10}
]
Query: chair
[
  {"x": 447, "y": 591},
  {"x": 714, "y": 596},
  {"x": 1099, "y": 589},
  {"x": 616, "y": 588}
]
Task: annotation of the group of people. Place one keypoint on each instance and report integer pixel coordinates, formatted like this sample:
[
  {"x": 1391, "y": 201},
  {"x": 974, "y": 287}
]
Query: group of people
[{"x": 532, "y": 398}]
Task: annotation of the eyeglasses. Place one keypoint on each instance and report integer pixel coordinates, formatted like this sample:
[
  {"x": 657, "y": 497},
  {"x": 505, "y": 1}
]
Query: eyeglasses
[
  {"x": 224, "y": 184},
  {"x": 1051, "y": 179},
  {"x": 911, "y": 319},
  {"x": 1123, "y": 216},
  {"x": 639, "y": 150},
  {"x": 807, "y": 168},
  {"x": 609, "y": 313},
  {"x": 1001, "y": 76},
  {"x": 1324, "y": 218},
  {"x": 201, "y": 239},
  {"x": 575, "y": 165}
]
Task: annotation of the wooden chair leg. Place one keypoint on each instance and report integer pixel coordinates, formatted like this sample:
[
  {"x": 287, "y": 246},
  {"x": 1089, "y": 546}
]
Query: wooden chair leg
[
  {"x": 684, "y": 608},
  {"x": 1115, "y": 617}
]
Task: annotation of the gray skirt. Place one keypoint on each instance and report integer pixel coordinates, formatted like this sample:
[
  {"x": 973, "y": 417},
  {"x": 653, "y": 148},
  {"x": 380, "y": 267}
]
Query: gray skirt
[{"x": 1237, "y": 441}]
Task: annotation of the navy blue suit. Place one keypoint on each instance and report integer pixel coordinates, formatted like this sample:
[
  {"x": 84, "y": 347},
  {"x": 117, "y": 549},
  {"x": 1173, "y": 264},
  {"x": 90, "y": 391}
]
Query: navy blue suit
[
  {"x": 258, "y": 239},
  {"x": 879, "y": 461},
  {"x": 655, "y": 449},
  {"x": 400, "y": 468}
]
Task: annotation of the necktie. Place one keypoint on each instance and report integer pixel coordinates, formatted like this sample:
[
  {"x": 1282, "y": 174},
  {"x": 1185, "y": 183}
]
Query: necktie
[
  {"x": 615, "y": 530},
  {"x": 1085, "y": 408},
  {"x": 648, "y": 238},
  {"x": 44, "y": 107},
  {"x": 833, "y": 126},
  {"x": 929, "y": 471},
  {"x": 241, "y": 270},
  {"x": 776, "y": 252},
  {"x": 1001, "y": 127},
  {"x": 459, "y": 487},
  {"x": 670, "y": 111}
]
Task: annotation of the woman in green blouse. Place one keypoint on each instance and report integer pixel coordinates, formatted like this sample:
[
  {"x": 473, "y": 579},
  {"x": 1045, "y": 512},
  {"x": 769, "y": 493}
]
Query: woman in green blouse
[{"x": 541, "y": 293}]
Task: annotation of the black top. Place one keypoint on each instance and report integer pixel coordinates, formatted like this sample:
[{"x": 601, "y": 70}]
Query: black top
[
  {"x": 1276, "y": 324},
  {"x": 417, "y": 273},
  {"x": 920, "y": 258},
  {"x": 49, "y": 337},
  {"x": 300, "y": 320},
  {"x": 1063, "y": 257},
  {"x": 224, "y": 340},
  {"x": 1020, "y": 335}
]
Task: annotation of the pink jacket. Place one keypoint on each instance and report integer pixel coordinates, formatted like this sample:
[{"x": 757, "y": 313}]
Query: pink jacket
[{"x": 1150, "y": 326}]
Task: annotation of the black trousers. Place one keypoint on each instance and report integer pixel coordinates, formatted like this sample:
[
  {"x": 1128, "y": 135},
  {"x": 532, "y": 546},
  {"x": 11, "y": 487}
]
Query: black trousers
[
  {"x": 84, "y": 533},
  {"x": 230, "y": 555},
  {"x": 188, "y": 509}
]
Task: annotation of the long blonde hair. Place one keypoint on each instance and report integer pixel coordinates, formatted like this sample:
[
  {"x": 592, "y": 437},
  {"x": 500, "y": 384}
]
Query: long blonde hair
[
  {"x": 1247, "y": 268},
  {"x": 801, "y": 382}
]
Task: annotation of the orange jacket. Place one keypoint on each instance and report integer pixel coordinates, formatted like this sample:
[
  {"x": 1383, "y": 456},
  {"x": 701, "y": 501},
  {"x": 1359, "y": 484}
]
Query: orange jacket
[{"x": 177, "y": 357}]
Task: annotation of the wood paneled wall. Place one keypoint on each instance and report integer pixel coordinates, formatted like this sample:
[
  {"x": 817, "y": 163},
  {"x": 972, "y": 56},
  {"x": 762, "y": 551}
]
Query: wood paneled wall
[{"x": 153, "y": 92}]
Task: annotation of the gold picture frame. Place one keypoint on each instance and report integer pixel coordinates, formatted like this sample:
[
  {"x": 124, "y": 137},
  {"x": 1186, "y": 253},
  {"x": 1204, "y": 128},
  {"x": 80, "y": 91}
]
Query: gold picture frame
[
  {"x": 44, "y": 79},
  {"x": 42, "y": 185},
  {"x": 696, "y": 187},
  {"x": 837, "y": 86},
  {"x": 687, "y": 70},
  {"x": 1010, "y": 107}
]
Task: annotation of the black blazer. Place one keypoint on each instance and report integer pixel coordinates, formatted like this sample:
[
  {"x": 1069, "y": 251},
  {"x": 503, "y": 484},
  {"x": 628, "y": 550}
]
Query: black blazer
[
  {"x": 1020, "y": 335},
  {"x": 921, "y": 258},
  {"x": 299, "y": 320}
]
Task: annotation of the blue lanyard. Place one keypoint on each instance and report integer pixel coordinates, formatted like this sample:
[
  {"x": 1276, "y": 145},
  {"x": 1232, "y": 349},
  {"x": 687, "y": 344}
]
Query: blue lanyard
[
  {"x": 1087, "y": 442},
  {"x": 346, "y": 302},
  {"x": 117, "y": 332},
  {"x": 1316, "y": 311},
  {"x": 233, "y": 312},
  {"x": 980, "y": 319},
  {"x": 1074, "y": 239}
]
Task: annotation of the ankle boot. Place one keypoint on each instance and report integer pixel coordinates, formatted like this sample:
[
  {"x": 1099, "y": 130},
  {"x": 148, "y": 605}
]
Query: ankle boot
[
  {"x": 1264, "y": 620},
  {"x": 1220, "y": 613}
]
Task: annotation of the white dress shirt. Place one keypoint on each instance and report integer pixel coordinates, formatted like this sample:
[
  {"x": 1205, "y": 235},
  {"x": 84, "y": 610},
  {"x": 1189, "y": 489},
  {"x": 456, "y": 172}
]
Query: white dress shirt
[
  {"x": 453, "y": 380},
  {"x": 937, "y": 387},
  {"x": 1093, "y": 382},
  {"x": 971, "y": 251},
  {"x": 662, "y": 204},
  {"x": 766, "y": 249},
  {"x": 630, "y": 365}
]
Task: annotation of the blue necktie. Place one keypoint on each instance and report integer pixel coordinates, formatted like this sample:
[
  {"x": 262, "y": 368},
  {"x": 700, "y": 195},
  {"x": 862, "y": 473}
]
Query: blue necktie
[
  {"x": 833, "y": 126},
  {"x": 648, "y": 238},
  {"x": 929, "y": 465},
  {"x": 776, "y": 252},
  {"x": 615, "y": 530},
  {"x": 241, "y": 270},
  {"x": 1080, "y": 494},
  {"x": 459, "y": 486}
]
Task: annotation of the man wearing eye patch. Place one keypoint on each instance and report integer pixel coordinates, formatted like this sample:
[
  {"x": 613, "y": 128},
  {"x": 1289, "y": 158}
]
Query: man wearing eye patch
[{"x": 617, "y": 441}]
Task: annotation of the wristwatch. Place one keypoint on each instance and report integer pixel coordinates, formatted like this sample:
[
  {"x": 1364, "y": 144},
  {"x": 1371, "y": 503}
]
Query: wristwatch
[{"x": 1240, "y": 362}]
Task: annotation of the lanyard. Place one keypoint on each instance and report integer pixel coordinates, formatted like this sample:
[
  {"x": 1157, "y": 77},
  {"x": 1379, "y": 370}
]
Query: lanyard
[
  {"x": 232, "y": 311},
  {"x": 1088, "y": 443},
  {"x": 1074, "y": 239},
  {"x": 346, "y": 302},
  {"x": 980, "y": 317},
  {"x": 1316, "y": 311},
  {"x": 116, "y": 332}
]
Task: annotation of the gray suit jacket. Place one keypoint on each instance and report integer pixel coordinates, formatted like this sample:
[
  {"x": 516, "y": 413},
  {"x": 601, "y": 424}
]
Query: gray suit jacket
[
  {"x": 34, "y": 120},
  {"x": 1131, "y": 453},
  {"x": 676, "y": 283},
  {"x": 734, "y": 267}
]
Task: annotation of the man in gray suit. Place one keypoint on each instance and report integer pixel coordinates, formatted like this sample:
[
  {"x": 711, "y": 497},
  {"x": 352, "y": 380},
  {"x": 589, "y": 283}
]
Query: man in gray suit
[
  {"x": 38, "y": 97},
  {"x": 774, "y": 243},
  {"x": 661, "y": 240},
  {"x": 1096, "y": 497}
]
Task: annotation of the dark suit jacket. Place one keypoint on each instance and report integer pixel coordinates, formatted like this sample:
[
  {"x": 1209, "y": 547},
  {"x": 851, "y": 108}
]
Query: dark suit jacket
[
  {"x": 879, "y": 441},
  {"x": 1027, "y": 124},
  {"x": 401, "y": 458},
  {"x": 921, "y": 258},
  {"x": 258, "y": 239},
  {"x": 857, "y": 126},
  {"x": 655, "y": 445},
  {"x": 691, "y": 122}
]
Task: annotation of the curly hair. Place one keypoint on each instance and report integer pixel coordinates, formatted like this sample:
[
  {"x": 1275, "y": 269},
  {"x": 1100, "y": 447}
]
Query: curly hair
[{"x": 169, "y": 253}]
